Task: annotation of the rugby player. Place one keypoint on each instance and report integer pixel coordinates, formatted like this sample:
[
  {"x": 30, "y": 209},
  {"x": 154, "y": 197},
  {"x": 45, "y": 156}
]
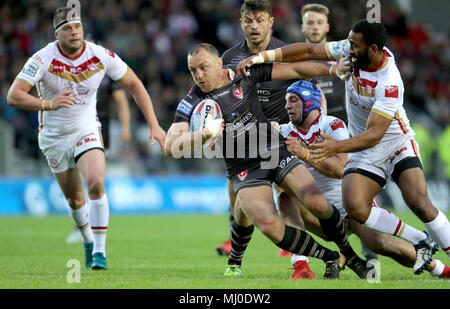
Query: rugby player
[
  {"x": 67, "y": 74},
  {"x": 303, "y": 130},
  {"x": 381, "y": 145},
  {"x": 252, "y": 176}
]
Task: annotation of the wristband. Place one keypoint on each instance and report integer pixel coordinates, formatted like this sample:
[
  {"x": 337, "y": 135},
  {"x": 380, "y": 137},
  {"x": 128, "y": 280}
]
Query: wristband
[{"x": 331, "y": 70}]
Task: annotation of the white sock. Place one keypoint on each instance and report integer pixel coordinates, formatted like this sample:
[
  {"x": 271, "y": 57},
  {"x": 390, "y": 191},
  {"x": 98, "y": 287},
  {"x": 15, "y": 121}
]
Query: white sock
[
  {"x": 80, "y": 217},
  {"x": 99, "y": 215},
  {"x": 296, "y": 257},
  {"x": 439, "y": 230},
  {"x": 437, "y": 271},
  {"x": 386, "y": 222}
]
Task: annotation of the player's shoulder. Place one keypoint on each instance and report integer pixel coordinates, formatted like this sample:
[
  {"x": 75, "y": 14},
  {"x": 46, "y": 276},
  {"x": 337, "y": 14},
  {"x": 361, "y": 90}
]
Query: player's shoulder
[
  {"x": 46, "y": 53},
  {"x": 189, "y": 102},
  {"x": 100, "y": 51},
  {"x": 287, "y": 128},
  {"x": 238, "y": 50},
  {"x": 275, "y": 43}
]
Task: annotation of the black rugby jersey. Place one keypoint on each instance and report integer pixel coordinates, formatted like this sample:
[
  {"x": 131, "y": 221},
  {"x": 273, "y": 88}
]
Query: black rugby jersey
[
  {"x": 243, "y": 117},
  {"x": 271, "y": 94}
]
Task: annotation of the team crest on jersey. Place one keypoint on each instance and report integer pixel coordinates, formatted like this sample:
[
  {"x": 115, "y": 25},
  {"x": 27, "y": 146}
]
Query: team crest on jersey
[
  {"x": 238, "y": 93},
  {"x": 242, "y": 175},
  {"x": 336, "y": 124},
  {"x": 391, "y": 92}
]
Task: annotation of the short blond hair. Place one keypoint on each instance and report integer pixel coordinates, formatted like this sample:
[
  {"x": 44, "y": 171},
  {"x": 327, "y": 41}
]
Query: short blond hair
[{"x": 315, "y": 7}]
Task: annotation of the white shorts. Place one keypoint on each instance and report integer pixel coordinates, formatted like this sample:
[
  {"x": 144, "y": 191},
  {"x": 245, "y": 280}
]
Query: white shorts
[
  {"x": 63, "y": 151},
  {"x": 381, "y": 162}
]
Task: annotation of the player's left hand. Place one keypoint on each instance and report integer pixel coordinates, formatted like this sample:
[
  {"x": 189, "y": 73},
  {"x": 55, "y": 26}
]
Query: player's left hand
[
  {"x": 344, "y": 67},
  {"x": 156, "y": 132},
  {"x": 320, "y": 151}
]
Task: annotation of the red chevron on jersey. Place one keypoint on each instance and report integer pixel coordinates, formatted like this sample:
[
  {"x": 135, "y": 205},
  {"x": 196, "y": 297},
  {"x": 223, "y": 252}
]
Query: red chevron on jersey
[{"x": 60, "y": 67}]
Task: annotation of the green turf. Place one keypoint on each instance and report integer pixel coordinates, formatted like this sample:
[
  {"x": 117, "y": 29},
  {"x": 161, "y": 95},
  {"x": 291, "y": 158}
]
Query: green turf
[{"x": 170, "y": 252}]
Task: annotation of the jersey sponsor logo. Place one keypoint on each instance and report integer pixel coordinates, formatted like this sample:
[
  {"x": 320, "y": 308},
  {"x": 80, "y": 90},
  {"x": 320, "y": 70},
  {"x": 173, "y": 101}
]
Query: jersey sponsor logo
[
  {"x": 242, "y": 175},
  {"x": 76, "y": 74},
  {"x": 31, "y": 69},
  {"x": 184, "y": 107},
  {"x": 336, "y": 124},
  {"x": 89, "y": 138},
  {"x": 391, "y": 92},
  {"x": 238, "y": 93}
]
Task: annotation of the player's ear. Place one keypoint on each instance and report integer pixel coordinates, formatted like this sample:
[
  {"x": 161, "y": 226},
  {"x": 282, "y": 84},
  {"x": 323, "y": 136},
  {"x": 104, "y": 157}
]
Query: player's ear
[
  {"x": 220, "y": 62},
  {"x": 271, "y": 19}
]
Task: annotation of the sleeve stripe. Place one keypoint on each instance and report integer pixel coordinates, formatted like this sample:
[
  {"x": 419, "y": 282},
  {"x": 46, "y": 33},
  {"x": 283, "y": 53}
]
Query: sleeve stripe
[
  {"x": 382, "y": 114},
  {"x": 327, "y": 50},
  {"x": 126, "y": 73},
  {"x": 24, "y": 81}
]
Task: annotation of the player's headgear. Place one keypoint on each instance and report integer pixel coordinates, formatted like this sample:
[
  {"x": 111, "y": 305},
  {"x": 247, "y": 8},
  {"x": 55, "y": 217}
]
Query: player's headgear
[
  {"x": 309, "y": 93},
  {"x": 64, "y": 16}
]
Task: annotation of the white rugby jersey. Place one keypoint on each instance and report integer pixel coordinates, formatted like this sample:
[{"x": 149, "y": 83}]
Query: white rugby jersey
[
  {"x": 53, "y": 72},
  {"x": 379, "y": 91},
  {"x": 330, "y": 187}
]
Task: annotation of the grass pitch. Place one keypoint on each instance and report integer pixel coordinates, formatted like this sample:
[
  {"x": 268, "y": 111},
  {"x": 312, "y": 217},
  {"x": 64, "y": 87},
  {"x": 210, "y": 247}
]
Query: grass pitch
[{"x": 171, "y": 252}]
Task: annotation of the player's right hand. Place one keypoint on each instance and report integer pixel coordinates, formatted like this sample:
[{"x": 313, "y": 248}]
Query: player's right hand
[
  {"x": 63, "y": 100},
  {"x": 213, "y": 127}
]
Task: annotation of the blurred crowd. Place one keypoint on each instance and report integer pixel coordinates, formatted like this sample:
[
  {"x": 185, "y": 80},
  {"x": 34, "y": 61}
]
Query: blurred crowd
[{"x": 153, "y": 37}]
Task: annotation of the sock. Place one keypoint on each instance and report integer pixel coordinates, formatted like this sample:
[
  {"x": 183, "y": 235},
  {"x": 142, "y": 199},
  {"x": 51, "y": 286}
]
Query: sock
[
  {"x": 240, "y": 237},
  {"x": 439, "y": 230},
  {"x": 99, "y": 222},
  {"x": 80, "y": 217},
  {"x": 299, "y": 242},
  {"x": 386, "y": 222},
  {"x": 296, "y": 257},
  {"x": 334, "y": 228},
  {"x": 437, "y": 271}
]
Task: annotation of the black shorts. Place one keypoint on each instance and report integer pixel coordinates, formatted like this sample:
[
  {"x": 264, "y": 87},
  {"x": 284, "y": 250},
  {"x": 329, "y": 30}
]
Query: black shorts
[{"x": 253, "y": 176}]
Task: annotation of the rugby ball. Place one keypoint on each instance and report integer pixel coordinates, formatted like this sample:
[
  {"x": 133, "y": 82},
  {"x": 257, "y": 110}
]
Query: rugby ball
[{"x": 198, "y": 117}]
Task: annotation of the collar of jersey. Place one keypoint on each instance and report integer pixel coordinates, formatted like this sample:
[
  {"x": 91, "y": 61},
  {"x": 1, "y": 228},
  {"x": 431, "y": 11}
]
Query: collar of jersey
[
  {"x": 386, "y": 55},
  {"x": 69, "y": 57},
  {"x": 313, "y": 123}
]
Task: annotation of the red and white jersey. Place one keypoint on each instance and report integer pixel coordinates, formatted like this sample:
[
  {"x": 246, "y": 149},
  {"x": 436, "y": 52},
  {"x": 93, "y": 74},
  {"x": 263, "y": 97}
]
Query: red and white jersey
[
  {"x": 330, "y": 187},
  {"x": 379, "y": 91},
  {"x": 53, "y": 72}
]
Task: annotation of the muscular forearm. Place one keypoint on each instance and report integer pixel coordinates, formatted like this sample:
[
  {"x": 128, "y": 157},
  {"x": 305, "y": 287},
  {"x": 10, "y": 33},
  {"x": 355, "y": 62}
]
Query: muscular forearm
[
  {"x": 144, "y": 102},
  {"x": 177, "y": 145},
  {"x": 23, "y": 100},
  {"x": 358, "y": 142},
  {"x": 332, "y": 167},
  {"x": 302, "y": 52}
]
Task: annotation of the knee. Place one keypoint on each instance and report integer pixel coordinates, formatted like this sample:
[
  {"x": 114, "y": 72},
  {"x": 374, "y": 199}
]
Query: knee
[
  {"x": 76, "y": 202},
  {"x": 95, "y": 187},
  {"x": 318, "y": 206},
  {"x": 357, "y": 209},
  {"x": 271, "y": 227}
]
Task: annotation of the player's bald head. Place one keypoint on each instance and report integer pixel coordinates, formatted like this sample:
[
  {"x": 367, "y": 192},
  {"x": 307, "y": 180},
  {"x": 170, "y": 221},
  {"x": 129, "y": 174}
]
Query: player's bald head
[{"x": 210, "y": 49}]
